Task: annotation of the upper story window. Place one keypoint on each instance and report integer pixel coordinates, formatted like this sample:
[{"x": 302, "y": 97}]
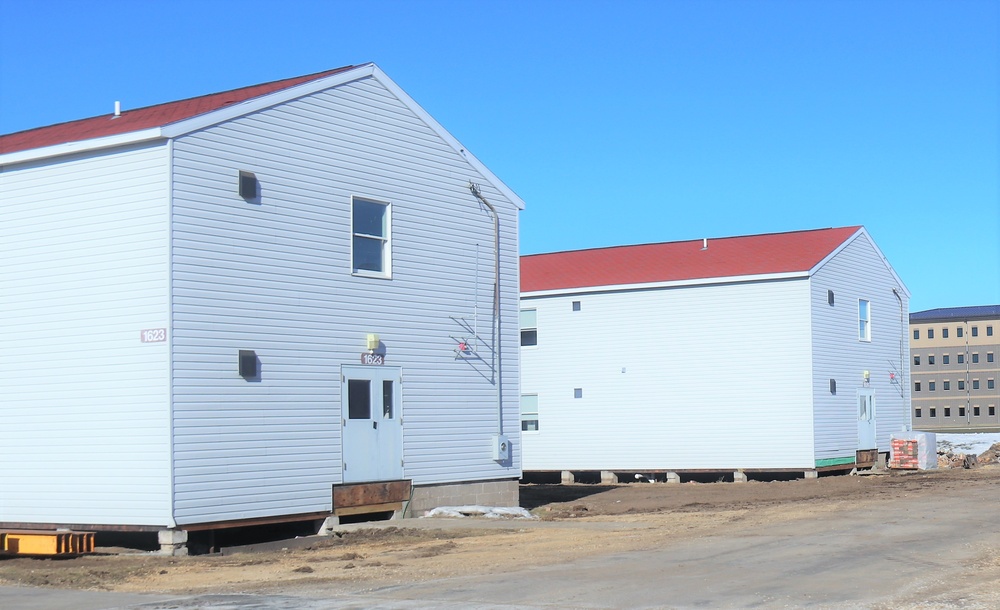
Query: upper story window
[
  {"x": 975, "y": 331},
  {"x": 916, "y": 333},
  {"x": 989, "y": 356},
  {"x": 989, "y": 331},
  {"x": 945, "y": 359},
  {"x": 529, "y": 328},
  {"x": 916, "y": 360},
  {"x": 959, "y": 331},
  {"x": 944, "y": 332},
  {"x": 930, "y": 333},
  {"x": 975, "y": 358},
  {"x": 961, "y": 358},
  {"x": 930, "y": 359},
  {"x": 864, "y": 320},
  {"x": 370, "y": 247}
]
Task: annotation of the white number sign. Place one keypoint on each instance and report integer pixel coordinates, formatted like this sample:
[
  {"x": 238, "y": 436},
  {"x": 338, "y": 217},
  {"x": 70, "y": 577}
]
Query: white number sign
[
  {"x": 153, "y": 335},
  {"x": 378, "y": 359}
]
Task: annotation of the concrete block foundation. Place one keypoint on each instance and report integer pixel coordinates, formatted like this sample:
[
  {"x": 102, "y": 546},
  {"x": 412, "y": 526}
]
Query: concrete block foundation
[
  {"x": 173, "y": 542},
  {"x": 503, "y": 492}
]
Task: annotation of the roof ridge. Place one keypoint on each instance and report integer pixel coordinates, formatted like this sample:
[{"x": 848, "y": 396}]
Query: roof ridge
[
  {"x": 961, "y": 309},
  {"x": 158, "y": 114},
  {"x": 683, "y": 241},
  {"x": 305, "y": 77}
]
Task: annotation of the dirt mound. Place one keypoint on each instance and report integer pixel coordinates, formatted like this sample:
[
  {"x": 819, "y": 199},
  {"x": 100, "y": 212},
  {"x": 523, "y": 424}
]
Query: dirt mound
[{"x": 991, "y": 455}]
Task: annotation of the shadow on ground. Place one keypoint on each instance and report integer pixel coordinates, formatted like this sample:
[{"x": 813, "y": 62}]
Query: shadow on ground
[{"x": 535, "y": 495}]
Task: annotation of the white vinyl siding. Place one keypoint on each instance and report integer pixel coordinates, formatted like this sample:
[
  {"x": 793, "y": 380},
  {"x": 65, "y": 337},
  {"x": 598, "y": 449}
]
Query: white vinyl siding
[
  {"x": 685, "y": 378},
  {"x": 858, "y": 272},
  {"x": 84, "y": 402},
  {"x": 276, "y": 276}
]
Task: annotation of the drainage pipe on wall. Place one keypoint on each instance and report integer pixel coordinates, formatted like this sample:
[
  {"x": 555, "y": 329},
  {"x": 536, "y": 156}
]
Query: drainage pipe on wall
[
  {"x": 903, "y": 336},
  {"x": 497, "y": 368}
]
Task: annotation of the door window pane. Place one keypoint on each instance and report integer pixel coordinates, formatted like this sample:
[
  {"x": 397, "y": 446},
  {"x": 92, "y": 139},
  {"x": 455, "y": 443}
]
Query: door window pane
[
  {"x": 387, "y": 410},
  {"x": 359, "y": 399}
]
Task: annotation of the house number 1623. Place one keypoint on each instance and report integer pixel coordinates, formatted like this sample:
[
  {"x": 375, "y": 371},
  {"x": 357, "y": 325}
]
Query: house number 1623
[
  {"x": 372, "y": 359},
  {"x": 153, "y": 335}
]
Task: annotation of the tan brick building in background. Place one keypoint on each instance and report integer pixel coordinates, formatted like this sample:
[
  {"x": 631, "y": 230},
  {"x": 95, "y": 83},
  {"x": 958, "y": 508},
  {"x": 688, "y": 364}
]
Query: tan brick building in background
[{"x": 954, "y": 370}]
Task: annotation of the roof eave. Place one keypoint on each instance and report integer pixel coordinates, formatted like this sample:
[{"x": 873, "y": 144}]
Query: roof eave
[
  {"x": 862, "y": 231},
  {"x": 185, "y": 126},
  {"x": 735, "y": 279},
  {"x": 262, "y": 102},
  {"x": 80, "y": 146},
  {"x": 447, "y": 137}
]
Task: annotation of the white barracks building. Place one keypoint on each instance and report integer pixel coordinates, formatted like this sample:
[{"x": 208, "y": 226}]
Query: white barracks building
[{"x": 755, "y": 353}]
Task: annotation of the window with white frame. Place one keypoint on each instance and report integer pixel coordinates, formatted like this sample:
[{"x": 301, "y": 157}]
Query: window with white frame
[
  {"x": 370, "y": 247},
  {"x": 529, "y": 328},
  {"x": 864, "y": 320},
  {"x": 529, "y": 412}
]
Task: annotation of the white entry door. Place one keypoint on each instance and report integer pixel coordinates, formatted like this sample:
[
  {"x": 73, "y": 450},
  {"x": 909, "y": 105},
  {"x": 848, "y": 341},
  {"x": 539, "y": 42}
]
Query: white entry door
[
  {"x": 866, "y": 419},
  {"x": 372, "y": 427}
]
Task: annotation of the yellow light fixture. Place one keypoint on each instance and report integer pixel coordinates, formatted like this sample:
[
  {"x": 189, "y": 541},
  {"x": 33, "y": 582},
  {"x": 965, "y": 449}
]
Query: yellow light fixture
[{"x": 372, "y": 342}]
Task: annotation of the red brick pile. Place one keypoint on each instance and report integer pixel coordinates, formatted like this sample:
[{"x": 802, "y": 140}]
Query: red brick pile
[{"x": 904, "y": 454}]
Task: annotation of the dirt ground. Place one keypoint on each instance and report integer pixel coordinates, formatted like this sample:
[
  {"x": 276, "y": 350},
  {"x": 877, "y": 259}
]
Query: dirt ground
[{"x": 575, "y": 521}]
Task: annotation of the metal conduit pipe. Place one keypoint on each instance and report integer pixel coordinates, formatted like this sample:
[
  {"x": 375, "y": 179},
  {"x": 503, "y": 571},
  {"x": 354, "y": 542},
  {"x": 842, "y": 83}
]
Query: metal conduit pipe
[
  {"x": 904, "y": 334},
  {"x": 497, "y": 366}
]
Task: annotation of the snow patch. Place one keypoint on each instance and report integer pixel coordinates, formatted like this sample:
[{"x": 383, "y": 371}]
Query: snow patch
[
  {"x": 489, "y": 512},
  {"x": 973, "y": 443}
]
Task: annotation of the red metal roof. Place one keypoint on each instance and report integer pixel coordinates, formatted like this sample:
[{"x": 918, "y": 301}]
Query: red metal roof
[
  {"x": 683, "y": 260},
  {"x": 145, "y": 118}
]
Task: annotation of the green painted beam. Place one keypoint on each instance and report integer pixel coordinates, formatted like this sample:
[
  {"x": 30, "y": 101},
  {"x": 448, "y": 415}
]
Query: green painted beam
[{"x": 835, "y": 461}]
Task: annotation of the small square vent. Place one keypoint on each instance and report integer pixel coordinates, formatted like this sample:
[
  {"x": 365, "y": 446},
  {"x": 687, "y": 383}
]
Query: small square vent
[
  {"x": 248, "y": 185},
  {"x": 248, "y": 364}
]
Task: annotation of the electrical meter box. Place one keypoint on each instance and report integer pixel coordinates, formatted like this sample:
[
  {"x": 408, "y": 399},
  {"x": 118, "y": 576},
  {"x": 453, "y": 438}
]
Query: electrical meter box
[{"x": 501, "y": 448}]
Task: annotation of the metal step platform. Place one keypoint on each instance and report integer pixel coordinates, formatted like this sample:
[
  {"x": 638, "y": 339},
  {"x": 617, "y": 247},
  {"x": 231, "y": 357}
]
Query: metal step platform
[{"x": 49, "y": 543}]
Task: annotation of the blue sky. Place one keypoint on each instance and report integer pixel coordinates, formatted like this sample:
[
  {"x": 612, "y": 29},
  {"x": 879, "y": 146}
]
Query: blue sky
[{"x": 617, "y": 122}]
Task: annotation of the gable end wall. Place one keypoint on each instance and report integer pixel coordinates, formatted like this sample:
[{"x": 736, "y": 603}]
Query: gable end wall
[
  {"x": 274, "y": 276},
  {"x": 857, "y": 272}
]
